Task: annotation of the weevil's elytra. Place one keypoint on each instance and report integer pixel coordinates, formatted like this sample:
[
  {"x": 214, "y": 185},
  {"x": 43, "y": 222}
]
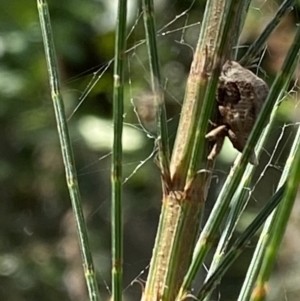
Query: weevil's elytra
[{"x": 240, "y": 97}]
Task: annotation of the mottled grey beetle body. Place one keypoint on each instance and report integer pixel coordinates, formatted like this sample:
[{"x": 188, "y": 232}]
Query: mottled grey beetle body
[{"x": 240, "y": 97}]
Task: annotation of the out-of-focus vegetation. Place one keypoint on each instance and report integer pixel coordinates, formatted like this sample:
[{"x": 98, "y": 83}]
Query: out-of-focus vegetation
[{"x": 39, "y": 255}]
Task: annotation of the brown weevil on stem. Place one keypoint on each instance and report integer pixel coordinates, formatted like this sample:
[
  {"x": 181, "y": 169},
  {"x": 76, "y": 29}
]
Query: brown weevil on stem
[{"x": 240, "y": 97}]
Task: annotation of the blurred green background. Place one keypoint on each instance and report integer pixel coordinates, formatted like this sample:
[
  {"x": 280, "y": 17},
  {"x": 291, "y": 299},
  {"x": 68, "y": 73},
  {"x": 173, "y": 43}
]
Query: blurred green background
[{"x": 39, "y": 255}]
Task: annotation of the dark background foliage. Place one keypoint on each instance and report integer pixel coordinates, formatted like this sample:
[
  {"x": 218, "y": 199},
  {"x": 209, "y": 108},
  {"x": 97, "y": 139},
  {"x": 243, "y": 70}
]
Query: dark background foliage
[{"x": 39, "y": 256}]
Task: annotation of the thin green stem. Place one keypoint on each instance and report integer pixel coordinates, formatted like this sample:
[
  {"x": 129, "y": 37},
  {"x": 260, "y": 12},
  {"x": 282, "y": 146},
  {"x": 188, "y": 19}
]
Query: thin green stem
[
  {"x": 239, "y": 201},
  {"x": 240, "y": 25},
  {"x": 238, "y": 204},
  {"x": 116, "y": 167},
  {"x": 276, "y": 224},
  {"x": 66, "y": 148},
  {"x": 256, "y": 47},
  {"x": 255, "y": 264},
  {"x": 260, "y": 248},
  {"x": 259, "y": 251},
  {"x": 158, "y": 93},
  {"x": 240, "y": 244}
]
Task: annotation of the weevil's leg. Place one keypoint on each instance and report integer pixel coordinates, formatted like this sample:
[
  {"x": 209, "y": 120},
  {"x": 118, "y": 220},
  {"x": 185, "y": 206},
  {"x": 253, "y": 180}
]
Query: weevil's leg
[
  {"x": 232, "y": 135},
  {"x": 216, "y": 148},
  {"x": 212, "y": 123},
  {"x": 216, "y": 133}
]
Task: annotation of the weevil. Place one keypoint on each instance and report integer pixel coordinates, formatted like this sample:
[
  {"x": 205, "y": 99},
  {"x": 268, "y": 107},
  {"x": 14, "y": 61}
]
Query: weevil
[{"x": 240, "y": 97}]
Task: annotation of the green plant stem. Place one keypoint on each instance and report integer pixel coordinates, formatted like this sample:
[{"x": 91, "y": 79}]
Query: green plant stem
[
  {"x": 239, "y": 201},
  {"x": 66, "y": 148},
  {"x": 221, "y": 54},
  {"x": 256, "y": 47},
  {"x": 186, "y": 193},
  {"x": 240, "y": 244},
  {"x": 116, "y": 167},
  {"x": 239, "y": 26},
  {"x": 260, "y": 248},
  {"x": 207, "y": 107},
  {"x": 205, "y": 61},
  {"x": 259, "y": 251},
  {"x": 275, "y": 227},
  {"x": 183, "y": 200},
  {"x": 158, "y": 93}
]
